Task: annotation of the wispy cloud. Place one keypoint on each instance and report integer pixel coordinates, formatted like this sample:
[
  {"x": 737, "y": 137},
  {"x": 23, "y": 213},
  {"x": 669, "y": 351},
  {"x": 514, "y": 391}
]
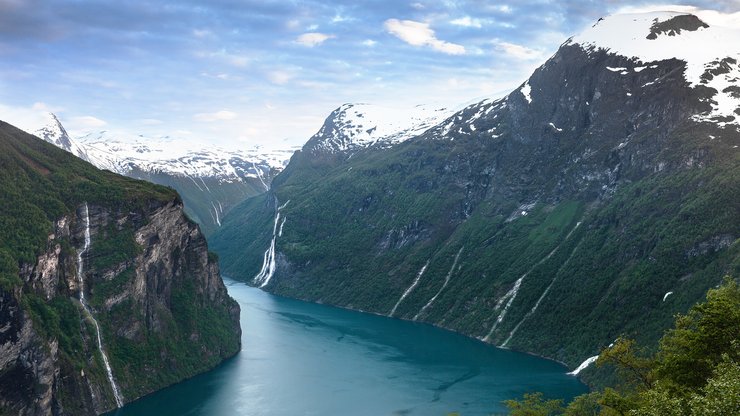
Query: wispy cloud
[
  {"x": 279, "y": 77},
  {"x": 420, "y": 34},
  {"x": 468, "y": 21},
  {"x": 85, "y": 122},
  {"x": 150, "y": 122},
  {"x": 313, "y": 39},
  {"x": 518, "y": 51},
  {"x": 123, "y": 62},
  {"x": 217, "y": 116}
]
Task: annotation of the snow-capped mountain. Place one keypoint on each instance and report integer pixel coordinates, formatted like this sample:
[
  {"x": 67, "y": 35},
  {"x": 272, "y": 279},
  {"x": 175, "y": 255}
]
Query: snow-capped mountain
[
  {"x": 210, "y": 180},
  {"x": 54, "y": 132},
  {"x": 356, "y": 126},
  {"x": 165, "y": 155},
  {"x": 710, "y": 52},
  {"x": 566, "y": 210}
]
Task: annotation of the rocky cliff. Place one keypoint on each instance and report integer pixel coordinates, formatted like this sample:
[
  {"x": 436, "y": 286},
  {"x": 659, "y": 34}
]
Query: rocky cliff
[{"x": 107, "y": 291}]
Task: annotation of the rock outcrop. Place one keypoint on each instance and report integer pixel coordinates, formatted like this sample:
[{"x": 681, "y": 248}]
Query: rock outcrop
[{"x": 121, "y": 294}]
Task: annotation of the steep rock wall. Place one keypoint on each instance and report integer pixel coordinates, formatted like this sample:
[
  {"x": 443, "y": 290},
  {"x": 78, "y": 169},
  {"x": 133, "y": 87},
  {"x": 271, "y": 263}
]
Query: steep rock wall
[{"x": 163, "y": 311}]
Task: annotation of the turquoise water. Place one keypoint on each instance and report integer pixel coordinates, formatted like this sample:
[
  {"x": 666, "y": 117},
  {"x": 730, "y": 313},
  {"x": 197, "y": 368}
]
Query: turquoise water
[{"x": 300, "y": 358}]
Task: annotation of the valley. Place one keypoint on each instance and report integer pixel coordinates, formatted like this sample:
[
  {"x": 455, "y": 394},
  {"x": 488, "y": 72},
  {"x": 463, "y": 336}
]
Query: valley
[{"x": 568, "y": 245}]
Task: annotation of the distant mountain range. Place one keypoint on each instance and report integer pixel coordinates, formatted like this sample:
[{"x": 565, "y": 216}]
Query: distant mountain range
[
  {"x": 598, "y": 198},
  {"x": 210, "y": 180}
]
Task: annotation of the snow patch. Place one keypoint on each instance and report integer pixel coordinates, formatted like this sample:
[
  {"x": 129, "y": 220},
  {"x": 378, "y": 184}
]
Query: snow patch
[
  {"x": 556, "y": 127},
  {"x": 363, "y": 125},
  {"x": 527, "y": 92},
  {"x": 702, "y": 50}
]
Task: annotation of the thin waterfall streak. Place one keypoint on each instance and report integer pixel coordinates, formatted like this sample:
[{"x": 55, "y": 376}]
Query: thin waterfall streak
[
  {"x": 259, "y": 176},
  {"x": 547, "y": 290},
  {"x": 444, "y": 285},
  {"x": 204, "y": 184},
  {"x": 88, "y": 312},
  {"x": 511, "y": 294},
  {"x": 218, "y": 219},
  {"x": 410, "y": 288},
  {"x": 280, "y": 232}
]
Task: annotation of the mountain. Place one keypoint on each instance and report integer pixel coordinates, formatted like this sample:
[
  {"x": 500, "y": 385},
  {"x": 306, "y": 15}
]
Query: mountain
[
  {"x": 597, "y": 199},
  {"x": 54, "y": 132},
  {"x": 107, "y": 290},
  {"x": 353, "y": 127},
  {"x": 210, "y": 180}
]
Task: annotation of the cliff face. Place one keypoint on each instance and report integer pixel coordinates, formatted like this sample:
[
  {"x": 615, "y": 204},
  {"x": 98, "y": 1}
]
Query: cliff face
[
  {"x": 120, "y": 297},
  {"x": 140, "y": 292}
]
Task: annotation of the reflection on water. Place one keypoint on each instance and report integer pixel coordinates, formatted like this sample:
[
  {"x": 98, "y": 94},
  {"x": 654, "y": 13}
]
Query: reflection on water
[{"x": 300, "y": 358}]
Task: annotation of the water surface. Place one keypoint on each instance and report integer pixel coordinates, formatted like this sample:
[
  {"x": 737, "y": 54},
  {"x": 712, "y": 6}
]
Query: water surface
[{"x": 300, "y": 358}]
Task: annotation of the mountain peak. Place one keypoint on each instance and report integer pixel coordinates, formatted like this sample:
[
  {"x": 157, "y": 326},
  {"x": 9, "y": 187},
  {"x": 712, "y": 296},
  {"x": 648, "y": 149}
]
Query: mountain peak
[
  {"x": 54, "y": 133},
  {"x": 711, "y": 56},
  {"x": 359, "y": 125},
  {"x": 674, "y": 25}
]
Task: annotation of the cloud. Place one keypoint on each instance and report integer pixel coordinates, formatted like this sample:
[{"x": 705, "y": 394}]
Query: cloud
[
  {"x": 518, "y": 51},
  {"x": 150, "y": 122},
  {"x": 468, "y": 21},
  {"x": 338, "y": 18},
  {"x": 86, "y": 122},
  {"x": 233, "y": 59},
  {"x": 202, "y": 33},
  {"x": 419, "y": 34},
  {"x": 312, "y": 39},
  {"x": 369, "y": 42},
  {"x": 504, "y": 8},
  {"x": 217, "y": 116},
  {"x": 279, "y": 77},
  {"x": 26, "y": 118}
]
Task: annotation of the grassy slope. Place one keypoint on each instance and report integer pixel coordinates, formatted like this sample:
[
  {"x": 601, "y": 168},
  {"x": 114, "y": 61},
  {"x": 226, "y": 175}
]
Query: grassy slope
[{"x": 610, "y": 275}]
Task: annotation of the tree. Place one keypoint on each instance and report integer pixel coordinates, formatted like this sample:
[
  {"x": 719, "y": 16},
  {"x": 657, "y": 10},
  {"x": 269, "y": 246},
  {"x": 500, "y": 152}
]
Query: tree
[
  {"x": 690, "y": 352},
  {"x": 695, "y": 372},
  {"x": 534, "y": 404}
]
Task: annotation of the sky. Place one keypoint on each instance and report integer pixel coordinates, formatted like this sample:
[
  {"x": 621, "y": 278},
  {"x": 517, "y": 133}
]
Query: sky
[{"x": 245, "y": 73}]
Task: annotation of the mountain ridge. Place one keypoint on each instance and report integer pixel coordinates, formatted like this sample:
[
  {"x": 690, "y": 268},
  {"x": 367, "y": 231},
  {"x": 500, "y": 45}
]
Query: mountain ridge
[
  {"x": 107, "y": 289},
  {"x": 564, "y": 199}
]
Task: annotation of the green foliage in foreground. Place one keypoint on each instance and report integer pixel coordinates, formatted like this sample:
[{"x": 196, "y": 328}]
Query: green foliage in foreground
[{"x": 696, "y": 370}]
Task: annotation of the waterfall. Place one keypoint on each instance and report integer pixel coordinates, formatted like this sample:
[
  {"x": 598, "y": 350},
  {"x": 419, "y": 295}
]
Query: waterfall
[
  {"x": 218, "y": 220},
  {"x": 547, "y": 290},
  {"x": 410, "y": 288},
  {"x": 268, "y": 260},
  {"x": 88, "y": 311},
  {"x": 511, "y": 294},
  {"x": 259, "y": 176},
  {"x": 444, "y": 285},
  {"x": 584, "y": 365}
]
